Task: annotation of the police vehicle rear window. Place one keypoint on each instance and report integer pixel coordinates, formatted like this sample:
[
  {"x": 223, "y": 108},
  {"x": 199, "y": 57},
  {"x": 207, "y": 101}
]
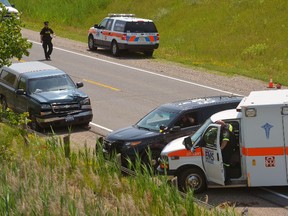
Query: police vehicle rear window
[{"x": 140, "y": 27}]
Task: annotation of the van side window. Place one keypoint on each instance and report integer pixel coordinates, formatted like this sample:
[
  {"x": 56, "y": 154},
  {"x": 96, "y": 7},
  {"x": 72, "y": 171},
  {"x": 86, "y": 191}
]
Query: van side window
[
  {"x": 8, "y": 77},
  {"x": 22, "y": 84}
]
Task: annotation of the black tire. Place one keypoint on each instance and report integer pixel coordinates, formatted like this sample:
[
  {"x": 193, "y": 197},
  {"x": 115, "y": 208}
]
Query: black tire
[
  {"x": 33, "y": 124},
  {"x": 153, "y": 163},
  {"x": 115, "y": 49},
  {"x": 193, "y": 179},
  {"x": 149, "y": 53},
  {"x": 4, "y": 104},
  {"x": 91, "y": 43}
]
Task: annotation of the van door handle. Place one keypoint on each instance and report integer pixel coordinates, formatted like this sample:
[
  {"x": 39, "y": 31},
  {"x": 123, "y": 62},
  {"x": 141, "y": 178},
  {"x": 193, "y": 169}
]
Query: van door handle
[{"x": 217, "y": 156}]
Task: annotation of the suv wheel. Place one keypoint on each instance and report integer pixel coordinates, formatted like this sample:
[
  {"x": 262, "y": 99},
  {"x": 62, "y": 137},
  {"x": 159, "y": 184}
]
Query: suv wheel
[
  {"x": 4, "y": 103},
  {"x": 151, "y": 162},
  {"x": 115, "y": 49},
  {"x": 91, "y": 44}
]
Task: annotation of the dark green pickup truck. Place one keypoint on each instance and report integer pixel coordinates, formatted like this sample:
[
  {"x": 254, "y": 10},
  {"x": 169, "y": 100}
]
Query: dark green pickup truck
[{"x": 47, "y": 93}]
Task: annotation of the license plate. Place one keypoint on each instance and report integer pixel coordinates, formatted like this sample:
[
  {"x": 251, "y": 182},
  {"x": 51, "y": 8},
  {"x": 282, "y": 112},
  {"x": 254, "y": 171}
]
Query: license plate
[
  {"x": 69, "y": 118},
  {"x": 142, "y": 39}
]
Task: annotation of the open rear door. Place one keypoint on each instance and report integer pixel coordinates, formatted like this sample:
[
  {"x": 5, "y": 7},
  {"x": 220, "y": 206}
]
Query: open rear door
[
  {"x": 285, "y": 129},
  {"x": 212, "y": 159}
]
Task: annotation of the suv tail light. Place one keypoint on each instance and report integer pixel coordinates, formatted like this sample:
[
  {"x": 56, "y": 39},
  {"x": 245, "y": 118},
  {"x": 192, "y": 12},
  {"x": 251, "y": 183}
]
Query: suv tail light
[
  {"x": 124, "y": 37},
  {"x": 157, "y": 37}
]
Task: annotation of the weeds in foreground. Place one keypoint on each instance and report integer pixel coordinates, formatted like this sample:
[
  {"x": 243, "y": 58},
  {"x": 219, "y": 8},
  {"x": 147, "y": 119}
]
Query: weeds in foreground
[{"x": 43, "y": 178}]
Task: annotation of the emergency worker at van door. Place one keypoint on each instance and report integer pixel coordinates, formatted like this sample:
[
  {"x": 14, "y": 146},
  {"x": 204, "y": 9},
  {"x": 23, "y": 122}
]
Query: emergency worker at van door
[
  {"x": 226, "y": 147},
  {"x": 46, "y": 40}
]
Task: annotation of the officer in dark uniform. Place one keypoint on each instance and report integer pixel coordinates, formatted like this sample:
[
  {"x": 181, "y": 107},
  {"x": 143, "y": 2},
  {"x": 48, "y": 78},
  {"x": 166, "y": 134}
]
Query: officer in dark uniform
[
  {"x": 227, "y": 147},
  {"x": 46, "y": 40}
]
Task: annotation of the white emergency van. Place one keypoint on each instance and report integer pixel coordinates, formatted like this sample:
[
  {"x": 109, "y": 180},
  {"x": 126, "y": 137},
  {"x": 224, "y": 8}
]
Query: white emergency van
[{"x": 260, "y": 124}]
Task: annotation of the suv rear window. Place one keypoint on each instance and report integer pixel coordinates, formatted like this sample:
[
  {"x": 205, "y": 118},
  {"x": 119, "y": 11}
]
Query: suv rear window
[{"x": 139, "y": 27}]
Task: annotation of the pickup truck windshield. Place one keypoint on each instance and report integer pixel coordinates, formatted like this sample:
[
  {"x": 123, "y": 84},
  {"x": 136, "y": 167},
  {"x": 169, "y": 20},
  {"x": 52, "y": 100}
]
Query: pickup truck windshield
[{"x": 50, "y": 83}]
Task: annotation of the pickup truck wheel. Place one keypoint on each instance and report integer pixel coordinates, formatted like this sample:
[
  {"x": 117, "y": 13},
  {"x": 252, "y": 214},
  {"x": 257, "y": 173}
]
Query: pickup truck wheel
[
  {"x": 33, "y": 124},
  {"x": 192, "y": 179},
  {"x": 91, "y": 44},
  {"x": 115, "y": 49},
  {"x": 4, "y": 103}
]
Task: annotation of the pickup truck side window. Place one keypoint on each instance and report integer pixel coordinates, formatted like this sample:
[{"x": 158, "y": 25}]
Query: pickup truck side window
[
  {"x": 8, "y": 78},
  {"x": 22, "y": 84}
]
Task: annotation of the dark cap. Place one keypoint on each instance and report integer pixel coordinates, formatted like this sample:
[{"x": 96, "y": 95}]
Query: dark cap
[{"x": 46, "y": 23}]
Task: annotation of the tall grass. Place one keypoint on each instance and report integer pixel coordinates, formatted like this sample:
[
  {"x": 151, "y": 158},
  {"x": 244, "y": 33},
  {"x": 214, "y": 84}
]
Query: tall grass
[
  {"x": 233, "y": 36},
  {"x": 41, "y": 177}
]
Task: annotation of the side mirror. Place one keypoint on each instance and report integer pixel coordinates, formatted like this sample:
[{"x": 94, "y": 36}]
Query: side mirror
[
  {"x": 187, "y": 143},
  {"x": 79, "y": 84},
  {"x": 96, "y": 26},
  {"x": 20, "y": 92}
]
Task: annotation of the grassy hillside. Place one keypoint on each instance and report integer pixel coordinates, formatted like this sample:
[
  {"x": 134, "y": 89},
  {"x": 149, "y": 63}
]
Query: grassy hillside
[
  {"x": 247, "y": 37},
  {"x": 45, "y": 177}
]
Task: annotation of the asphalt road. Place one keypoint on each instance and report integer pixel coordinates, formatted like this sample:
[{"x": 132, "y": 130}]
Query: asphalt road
[{"x": 120, "y": 94}]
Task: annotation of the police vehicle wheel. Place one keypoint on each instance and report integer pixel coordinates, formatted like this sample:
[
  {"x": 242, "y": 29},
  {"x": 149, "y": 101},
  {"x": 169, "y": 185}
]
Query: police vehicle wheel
[
  {"x": 4, "y": 103},
  {"x": 115, "y": 49},
  {"x": 192, "y": 179},
  {"x": 91, "y": 44}
]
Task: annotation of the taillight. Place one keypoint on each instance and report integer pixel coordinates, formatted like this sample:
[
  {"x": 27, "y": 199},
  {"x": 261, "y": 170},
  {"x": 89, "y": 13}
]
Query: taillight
[
  {"x": 124, "y": 37},
  {"x": 157, "y": 37}
]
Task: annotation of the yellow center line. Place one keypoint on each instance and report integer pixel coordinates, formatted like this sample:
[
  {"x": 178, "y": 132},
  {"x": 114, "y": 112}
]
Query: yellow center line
[{"x": 100, "y": 84}]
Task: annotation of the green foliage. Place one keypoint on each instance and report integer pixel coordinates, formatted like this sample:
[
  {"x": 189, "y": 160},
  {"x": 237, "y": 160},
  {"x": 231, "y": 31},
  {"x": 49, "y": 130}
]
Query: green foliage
[{"x": 11, "y": 42}]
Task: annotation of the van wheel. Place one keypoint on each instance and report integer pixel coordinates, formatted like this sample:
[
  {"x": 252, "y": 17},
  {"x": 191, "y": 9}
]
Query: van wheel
[
  {"x": 115, "y": 49},
  {"x": 91, "y": 44},
  {"x": 149, "y": 53},
  {"x": 191, "y": 179},
  {"x": 4, "y": 104}
]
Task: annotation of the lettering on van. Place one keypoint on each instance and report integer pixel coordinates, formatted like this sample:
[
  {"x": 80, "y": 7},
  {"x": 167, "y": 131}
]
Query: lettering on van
[{"x": 209, "y": 156}]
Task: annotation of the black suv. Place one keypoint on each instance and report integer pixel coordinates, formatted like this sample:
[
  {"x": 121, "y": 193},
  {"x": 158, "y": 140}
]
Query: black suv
[
  {"x": 162, "y": 125},
  {"x": 47, "y": 93}
]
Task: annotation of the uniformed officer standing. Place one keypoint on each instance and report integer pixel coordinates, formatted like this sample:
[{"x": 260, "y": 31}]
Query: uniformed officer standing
[
  {"x": 46, "y": 40},
  {"x": 227, "y": 147}
]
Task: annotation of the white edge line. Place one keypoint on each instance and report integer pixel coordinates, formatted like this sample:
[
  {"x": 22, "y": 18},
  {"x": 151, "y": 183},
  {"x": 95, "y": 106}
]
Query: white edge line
[
  {"x": 275, "y": 193},
  {"x": 99, "y": 126},
  {"x": 137, "y": 69}
]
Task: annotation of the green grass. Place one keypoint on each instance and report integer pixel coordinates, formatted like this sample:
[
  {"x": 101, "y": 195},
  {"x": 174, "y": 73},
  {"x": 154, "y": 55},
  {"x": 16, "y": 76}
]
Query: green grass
[
  {"x": 39, "y": 178},
  {"x": 246, "y": 37}
]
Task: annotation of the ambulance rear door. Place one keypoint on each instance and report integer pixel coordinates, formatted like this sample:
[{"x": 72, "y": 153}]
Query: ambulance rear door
[
  {"x": 212, "y": 159},
  {"x": 285, "y": 130}
]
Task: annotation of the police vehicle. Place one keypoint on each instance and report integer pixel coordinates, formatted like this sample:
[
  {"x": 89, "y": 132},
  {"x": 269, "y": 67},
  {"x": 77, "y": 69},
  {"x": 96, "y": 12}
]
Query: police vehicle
[{"x": 124, "y": 32}]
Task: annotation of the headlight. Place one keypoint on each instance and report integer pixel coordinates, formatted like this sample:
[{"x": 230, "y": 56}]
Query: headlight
[
  {"x": 45, "y": 106},
  {"x": 85, "y": 104},
  {"x": 86, "y": 101},
  {"x": 164, "y": 162},
  {"x": 131, "y": 144}
]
